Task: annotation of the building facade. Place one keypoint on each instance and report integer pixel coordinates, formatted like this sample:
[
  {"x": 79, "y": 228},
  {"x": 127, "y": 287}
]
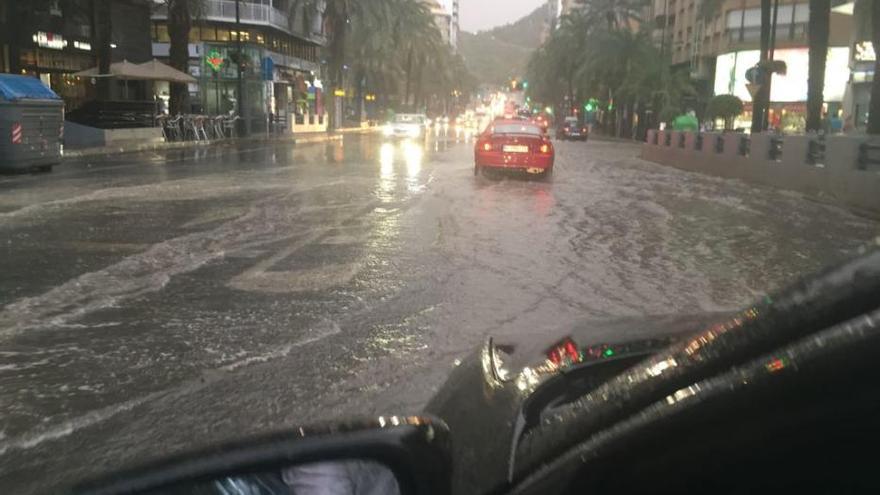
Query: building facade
[
  {"x": 52, "y": 40},
  {"x": 445, "y": 20},
  {"x": 281, "y": 42},
  {"x": 718, "y": 47},
  {"x": 455, "y": 29}
]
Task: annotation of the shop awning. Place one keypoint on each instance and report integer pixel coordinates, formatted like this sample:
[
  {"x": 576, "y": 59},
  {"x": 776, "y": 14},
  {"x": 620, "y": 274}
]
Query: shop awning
[
  {"x": 119, "y": 70},
  {"x": 163, "y": 72}
]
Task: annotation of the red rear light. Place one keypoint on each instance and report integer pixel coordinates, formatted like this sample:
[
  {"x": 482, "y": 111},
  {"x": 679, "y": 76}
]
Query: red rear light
[
  {"x": 572, "y": 351},
  {"x": 487, "y": 146},
  {"x": 545, "y": 148},
  {"x": 565, "y": 352}
]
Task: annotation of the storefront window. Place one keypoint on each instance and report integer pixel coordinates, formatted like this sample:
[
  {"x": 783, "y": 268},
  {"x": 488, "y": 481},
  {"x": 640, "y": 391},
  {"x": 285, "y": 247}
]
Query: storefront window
[
  {"x": 194, "y": 36},
  {"x": 209, "y": 33},
  {"x": 162, "y": 33},
  {"x": 223, "y": 34}
]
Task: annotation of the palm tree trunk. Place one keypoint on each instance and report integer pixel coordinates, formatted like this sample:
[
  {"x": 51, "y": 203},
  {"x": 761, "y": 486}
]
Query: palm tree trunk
[
  {"x": 819, "y": 27},
  {"x": 179, "y": 25},
  {"x": 874, "y": 108},
  {"x": 103, "y": 33},
  {"x": 420, "y": 68},
  {"x": 409, "y": 62},
  {"x": 337, "y": 15},
  {"x": 762, "y": 97}
]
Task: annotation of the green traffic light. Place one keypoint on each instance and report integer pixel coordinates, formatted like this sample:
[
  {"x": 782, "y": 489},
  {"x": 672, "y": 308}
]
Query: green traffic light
[{"x": 609, "y": 352}]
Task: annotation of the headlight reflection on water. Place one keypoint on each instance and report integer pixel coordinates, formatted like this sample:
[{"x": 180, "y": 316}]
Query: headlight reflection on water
[
  {"x": 386, "y": 185},
  {"x": 412, "y": 154},
  {"x": 386, "y": 160}
]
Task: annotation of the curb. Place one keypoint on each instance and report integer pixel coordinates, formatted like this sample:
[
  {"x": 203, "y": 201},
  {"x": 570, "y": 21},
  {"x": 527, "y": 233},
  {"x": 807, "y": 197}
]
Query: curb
[{"x": 319, "y": 137}]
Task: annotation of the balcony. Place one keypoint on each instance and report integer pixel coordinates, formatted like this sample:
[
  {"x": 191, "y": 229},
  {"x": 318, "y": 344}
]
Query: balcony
[{"x": 253, "y": 13}]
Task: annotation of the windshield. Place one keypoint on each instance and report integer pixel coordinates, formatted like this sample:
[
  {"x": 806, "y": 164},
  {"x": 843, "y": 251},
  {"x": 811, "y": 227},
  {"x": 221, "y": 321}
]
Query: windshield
[
  {"x": 223, "y": 218},
  {"x": 409, "y": 119},
  {"x": 516, "y": 129}
]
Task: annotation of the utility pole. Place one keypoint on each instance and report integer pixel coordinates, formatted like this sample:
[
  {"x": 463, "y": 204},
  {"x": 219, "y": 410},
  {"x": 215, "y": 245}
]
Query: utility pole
[
  {"x": 762, "y": 97},
  {"x": 246, "y": 123}
]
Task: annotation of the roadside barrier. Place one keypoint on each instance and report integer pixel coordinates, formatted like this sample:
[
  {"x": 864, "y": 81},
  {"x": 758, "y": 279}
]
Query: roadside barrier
[{"x": 839, "y": 168}]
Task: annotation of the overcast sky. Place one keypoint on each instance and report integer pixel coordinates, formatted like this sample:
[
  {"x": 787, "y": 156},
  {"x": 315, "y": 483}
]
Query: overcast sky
[{"x": 477, "y": 15}]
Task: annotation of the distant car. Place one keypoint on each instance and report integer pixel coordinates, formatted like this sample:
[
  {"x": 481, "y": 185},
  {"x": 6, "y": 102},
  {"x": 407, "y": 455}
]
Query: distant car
[
  {"x": 572, "y": 130},
  {"x": 514, "y": 145},
  {"x": 407, "y": 125},
  {"x": 543, "y": 122}
]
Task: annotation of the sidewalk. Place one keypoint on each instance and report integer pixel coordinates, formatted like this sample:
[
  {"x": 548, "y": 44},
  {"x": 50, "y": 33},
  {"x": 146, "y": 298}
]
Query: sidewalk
[{"x": 312, "y": 137}]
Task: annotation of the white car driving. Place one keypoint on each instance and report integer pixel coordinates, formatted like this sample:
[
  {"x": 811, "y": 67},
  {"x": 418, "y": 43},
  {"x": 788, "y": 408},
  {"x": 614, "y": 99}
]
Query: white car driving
[{"x": 407, "y": 125}]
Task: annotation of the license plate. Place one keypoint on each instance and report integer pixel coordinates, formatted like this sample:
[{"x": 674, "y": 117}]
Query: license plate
[{"x": 511, "y": 148}]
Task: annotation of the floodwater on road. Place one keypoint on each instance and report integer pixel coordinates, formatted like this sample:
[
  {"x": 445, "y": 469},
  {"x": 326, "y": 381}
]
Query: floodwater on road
[{"x": 159, "y": 301}]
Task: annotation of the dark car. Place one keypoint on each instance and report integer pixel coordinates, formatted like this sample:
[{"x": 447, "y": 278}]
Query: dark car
[
  {"x": 781, "y": 396},
  {"x": 571, "y": 129}
]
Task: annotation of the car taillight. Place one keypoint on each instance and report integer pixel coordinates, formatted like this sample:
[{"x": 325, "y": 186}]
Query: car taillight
[
  {"x": 487, "y": 146},
  {"x": 545, "y": 148},
  {"x": 584, "y": 129},
  {"x": 565, "y": 351}
]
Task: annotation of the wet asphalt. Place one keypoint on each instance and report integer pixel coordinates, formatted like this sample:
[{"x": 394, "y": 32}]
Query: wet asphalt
[{"x": 158, "y": 301}]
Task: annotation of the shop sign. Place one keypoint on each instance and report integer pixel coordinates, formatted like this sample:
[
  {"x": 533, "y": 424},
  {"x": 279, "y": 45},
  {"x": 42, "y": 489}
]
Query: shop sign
[
  {"x": 339, "y": 92},
  {"x": 50, "y": 40},
  {"x": 82, "y": 45},
  {"x": 864, "y": 52},
  {"x": 267, "y": 68},
  {"x": 214, "y": 60}
]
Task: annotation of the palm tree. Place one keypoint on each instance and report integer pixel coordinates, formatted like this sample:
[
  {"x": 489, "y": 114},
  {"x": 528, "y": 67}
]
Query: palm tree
[
  {"x": 819, "y": 28},
  {"x": 180, "y": 18},
  {"x": 613, "y": 14},
  {"x": 874, "y": 108},
  {"x": 103, "y": 30}
]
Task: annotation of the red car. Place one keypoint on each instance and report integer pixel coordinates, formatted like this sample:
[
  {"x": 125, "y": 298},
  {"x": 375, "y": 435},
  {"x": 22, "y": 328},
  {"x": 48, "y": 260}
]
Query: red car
[{"x": 514, "y": 145}]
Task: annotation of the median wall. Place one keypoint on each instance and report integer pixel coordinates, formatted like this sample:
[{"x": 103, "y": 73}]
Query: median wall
[{"x": 843, "y": 169}]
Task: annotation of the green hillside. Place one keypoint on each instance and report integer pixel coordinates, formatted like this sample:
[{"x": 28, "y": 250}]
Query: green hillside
[{"x": 494, "y": 56}]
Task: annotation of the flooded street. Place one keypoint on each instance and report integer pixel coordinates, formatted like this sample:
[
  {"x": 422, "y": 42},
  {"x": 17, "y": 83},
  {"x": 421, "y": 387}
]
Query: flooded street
[{"x": 160, "y": 301}]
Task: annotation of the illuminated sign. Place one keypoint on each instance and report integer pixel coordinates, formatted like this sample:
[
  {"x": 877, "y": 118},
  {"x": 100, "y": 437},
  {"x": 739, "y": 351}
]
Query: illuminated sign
[
  {"x": 214, "y": 60},
  {"x": 730, "y": 74},
  {"x": 82, "y": 45},
  {"x": 339, "y": 92},
  {"x": 50, "y": 40},
  {"x": 864, "y": 52}
]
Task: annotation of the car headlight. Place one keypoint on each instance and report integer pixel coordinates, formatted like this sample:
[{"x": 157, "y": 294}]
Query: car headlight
[
  {"x": 415, "y": 132},
  {"x": 387, "y": 130}
]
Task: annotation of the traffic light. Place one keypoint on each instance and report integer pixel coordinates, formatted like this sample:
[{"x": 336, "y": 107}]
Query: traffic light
[
  {"x": 525, "y": 85},
  {"x": 591, "y": 105}
]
